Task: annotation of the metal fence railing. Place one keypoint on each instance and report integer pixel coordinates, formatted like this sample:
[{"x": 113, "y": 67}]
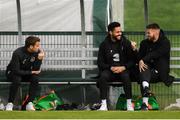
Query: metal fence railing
[{"x": 64, "y": 50}]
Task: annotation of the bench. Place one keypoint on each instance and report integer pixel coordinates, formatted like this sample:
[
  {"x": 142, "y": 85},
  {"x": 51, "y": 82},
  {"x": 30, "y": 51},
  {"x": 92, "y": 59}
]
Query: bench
[
  {"x": 67, "y": 62},
  {"x": 82, "y": 73}
]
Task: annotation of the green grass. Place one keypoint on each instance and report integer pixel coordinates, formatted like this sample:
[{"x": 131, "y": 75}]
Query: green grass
[
  {"x": 90, "y": 115},
  {"x": 164, "y": 12}
]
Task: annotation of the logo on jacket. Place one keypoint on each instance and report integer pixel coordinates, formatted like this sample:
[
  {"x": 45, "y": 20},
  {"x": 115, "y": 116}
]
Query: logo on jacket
[
  {"x": 116, "y": 57},
  {"x": 32, "y": 59},
  {"x": 24, "y": 61}
]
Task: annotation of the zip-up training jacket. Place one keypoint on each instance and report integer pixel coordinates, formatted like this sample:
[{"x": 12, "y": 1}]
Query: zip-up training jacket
[
  {"x": 23, "y": 62},
  {"x": 157, "y": 55},
  {"x": 117, "y": 53}
]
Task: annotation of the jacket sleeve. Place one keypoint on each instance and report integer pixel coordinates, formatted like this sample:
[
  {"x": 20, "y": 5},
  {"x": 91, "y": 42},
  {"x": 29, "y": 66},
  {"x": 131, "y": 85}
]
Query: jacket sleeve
[
  {"x": 142, "y": 51},
  {"x": 163, "y": 49},
  {"x": 15, "y": 66},
  {"x": 131, "y": 56},
  {"x": 102, "y": 65},
  {"x": 37, "y": 64}
]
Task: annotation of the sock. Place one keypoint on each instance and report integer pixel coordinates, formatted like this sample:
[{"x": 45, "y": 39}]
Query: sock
[
  {"x": 145, "y": 84},
  {"x": 104, "y": 101},
  {"x": 129, "y": 102},
  {"x": 145, "y": 100}
]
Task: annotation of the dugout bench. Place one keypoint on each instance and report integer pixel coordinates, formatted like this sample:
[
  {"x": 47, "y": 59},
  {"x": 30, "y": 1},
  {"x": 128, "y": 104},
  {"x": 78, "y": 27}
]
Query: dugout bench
[{"x": 81, "y": 70}]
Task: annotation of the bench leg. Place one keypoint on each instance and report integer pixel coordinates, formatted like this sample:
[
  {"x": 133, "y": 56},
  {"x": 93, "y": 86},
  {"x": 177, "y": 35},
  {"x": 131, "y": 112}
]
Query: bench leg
[{"x": 83, "y": 88}]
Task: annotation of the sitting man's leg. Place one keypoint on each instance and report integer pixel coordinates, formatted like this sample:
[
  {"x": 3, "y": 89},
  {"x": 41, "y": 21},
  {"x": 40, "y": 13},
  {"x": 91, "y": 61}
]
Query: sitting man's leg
[
  {"x": 33, "y": 88},
  {"x": 145, "y": 77},
  {"x": 16, "y": 82},
  {"x": 103, "y": 86},
  {"x": 124, "y": 76}
]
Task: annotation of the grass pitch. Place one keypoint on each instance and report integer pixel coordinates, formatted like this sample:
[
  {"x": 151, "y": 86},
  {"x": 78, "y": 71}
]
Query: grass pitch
[{"x": 90, "y": 115}]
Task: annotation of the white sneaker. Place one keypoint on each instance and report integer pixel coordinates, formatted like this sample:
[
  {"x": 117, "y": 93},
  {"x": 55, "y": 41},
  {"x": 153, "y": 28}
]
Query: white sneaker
[
  {"x": 103, "y": 107},
  {"x": 130, "y": 107},
  {"x": 9, "y": 107},
  {"x": 30, "y": 107},
  {"x": 2, "y": 107}
]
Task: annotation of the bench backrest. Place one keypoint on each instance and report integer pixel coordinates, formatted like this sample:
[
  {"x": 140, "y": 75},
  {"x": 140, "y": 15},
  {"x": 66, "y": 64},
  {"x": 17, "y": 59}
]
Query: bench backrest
[{"x": 65, "y": 52}]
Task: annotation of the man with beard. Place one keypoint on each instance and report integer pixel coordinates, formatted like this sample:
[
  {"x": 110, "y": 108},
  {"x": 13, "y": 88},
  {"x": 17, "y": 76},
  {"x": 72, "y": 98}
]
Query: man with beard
[
  {"x": 115, "y": 58},
  {"x": 25, "y": 66},
  {"x": 154, "y": 58}
]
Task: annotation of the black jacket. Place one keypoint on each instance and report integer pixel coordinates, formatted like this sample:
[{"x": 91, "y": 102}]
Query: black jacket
[
  {"x": 23, "y": 62},
  {"x": 108, "y": 48},
  {"x": 157, "y": 55}
]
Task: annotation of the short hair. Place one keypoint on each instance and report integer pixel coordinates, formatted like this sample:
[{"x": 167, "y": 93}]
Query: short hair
[
  {"x": 31, "y": 40},
  {"x": 112, "y": 25},
  {"x": 153, "y": 26}
]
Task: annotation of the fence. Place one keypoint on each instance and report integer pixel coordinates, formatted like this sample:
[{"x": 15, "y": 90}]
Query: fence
[
  {"x": 64, "y": 52},
  {"x": 60, "y": 46}
]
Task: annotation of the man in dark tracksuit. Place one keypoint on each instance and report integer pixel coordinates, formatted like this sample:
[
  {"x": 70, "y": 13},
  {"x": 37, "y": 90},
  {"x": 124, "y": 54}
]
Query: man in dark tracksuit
[
  {"x": 115, "y": 58},
  {"x": 25, "y": 66},
  {"x": 154, "y": 58}
]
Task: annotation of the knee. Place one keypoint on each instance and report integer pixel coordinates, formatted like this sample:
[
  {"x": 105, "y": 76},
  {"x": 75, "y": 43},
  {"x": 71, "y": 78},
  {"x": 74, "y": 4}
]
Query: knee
[
  {"x": 145, "y": 75},
  {"x": 16, "y": 80},
  {"x": 34, "y": 82},
  {"x": 145, "y": 71},
  {"x": 126, "y": 78},
  {"x": 125, "y": 75},
  {"x": 34, "y": 79},
  {"x": 105, "y": 75}
]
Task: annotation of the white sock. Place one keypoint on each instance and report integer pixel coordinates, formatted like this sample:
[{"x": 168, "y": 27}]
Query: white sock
[
  {"x": 129, "y": 105},
  {"x": 145, "y": 84},
  {"x": 145, "y": 100},
  {"x": 129, "y": 102},
  {"x": 103, "y": 105},
  {"x": 104, "y": 101}
]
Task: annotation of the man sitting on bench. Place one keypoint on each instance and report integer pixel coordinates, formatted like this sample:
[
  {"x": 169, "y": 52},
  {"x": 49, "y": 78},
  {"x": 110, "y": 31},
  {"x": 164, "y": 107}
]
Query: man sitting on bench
[
  {"x": 154, "y": 59},
  {"x": 25, "y": 66},
  {"x": 115, "y": 58}
]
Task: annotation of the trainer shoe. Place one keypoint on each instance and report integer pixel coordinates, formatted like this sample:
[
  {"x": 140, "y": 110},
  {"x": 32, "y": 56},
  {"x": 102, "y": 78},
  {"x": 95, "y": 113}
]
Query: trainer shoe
[
  {"x": 2, "y": 107},
  {"x": 30, "y": 107},
  {"x": 144, "y": 107},
  {"x": 103, "y": 107},
  {"x": 9, "y": 107},
  {"x": 95, "y": 106},
  {"x": 147, "y": 92}
]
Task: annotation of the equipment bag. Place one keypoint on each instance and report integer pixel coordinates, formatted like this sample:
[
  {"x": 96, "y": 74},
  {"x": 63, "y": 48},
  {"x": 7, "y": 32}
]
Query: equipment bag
[
  {"x": 137, "y": 102},
  {"x": 47, "y": 102}
]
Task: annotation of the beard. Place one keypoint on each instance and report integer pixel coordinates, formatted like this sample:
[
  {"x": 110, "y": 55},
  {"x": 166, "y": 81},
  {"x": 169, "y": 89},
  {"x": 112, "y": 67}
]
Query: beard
[
  {"x": 150, "y": 38},
  {"x": 118, "y": 37}
]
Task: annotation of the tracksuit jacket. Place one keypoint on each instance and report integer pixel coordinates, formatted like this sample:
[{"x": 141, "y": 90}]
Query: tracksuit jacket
[
  {"x": 108, "y": 52},
  {"x": 157, "y": 55},
  {"x": 23, "y": 62}
]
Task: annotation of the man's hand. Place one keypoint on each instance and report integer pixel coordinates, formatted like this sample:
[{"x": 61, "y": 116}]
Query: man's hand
[
  {"x": 36, "y": 72},
  {"x": 142, "y": 66},
  {"x": 41, "y": 54},
  {"x": 118, "y": 69},
  {"x": 133, "y": 45}
]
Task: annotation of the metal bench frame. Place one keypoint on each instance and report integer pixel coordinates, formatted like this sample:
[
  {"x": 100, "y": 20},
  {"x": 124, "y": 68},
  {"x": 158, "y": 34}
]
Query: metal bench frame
[{"x": 83, "y": 67}]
